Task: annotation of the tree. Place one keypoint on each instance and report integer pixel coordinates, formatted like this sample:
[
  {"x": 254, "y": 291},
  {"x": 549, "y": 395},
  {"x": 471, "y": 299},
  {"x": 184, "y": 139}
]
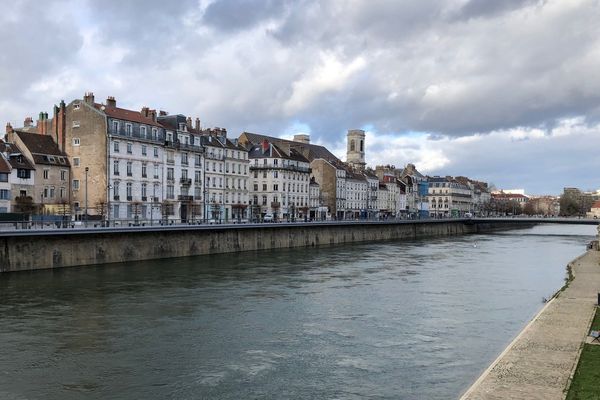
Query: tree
[
  {"x": 569, "y": 205},
  {"x": 101, "y": 208},
  {"x": 530, "y": 208},
  {"x": 25, "y": 205}
]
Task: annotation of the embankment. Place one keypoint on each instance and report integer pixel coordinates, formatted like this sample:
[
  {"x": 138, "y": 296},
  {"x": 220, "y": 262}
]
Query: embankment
[{"x": 22, "y": 250}]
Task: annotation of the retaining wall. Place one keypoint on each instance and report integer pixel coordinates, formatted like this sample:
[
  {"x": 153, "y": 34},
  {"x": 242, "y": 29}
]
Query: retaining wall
[{"x": 41, "y": 250}]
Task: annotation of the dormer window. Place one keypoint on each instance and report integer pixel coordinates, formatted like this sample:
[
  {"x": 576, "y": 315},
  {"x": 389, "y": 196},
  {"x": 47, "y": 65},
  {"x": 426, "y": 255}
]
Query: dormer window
[{"x": 143, "y": 132}]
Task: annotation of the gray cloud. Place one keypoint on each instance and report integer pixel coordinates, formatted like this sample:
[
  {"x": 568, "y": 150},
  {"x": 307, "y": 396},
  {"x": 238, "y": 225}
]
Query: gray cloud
[{"x": 447, "y": 68}]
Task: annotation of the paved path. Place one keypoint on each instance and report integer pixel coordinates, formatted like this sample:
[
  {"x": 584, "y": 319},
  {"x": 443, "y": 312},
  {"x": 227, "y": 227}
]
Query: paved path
[{"x": 540, "y": 361}]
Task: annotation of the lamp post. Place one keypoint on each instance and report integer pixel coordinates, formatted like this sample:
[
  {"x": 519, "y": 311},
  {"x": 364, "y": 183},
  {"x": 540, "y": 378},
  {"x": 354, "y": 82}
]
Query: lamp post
[
  {"x": 86, "y": 195},
  {"x": 108, "y": 187},
  {"x": 42, "y": 208}
]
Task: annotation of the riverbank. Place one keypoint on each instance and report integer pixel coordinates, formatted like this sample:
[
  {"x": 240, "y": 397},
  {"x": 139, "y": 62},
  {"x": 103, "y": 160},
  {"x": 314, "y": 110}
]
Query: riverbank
[
  {"x": 32, "y": 250},
  {"x": 540, "y": 361}
]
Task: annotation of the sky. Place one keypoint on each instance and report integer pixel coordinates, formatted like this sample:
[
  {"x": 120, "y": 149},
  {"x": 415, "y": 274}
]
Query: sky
[{"x": 506, "y": 92}]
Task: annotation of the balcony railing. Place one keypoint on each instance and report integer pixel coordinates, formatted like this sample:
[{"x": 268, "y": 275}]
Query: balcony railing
[
  {"x": 292, "y": 168},
  {"x": 213, "y": 156},
  {"x": 184, "y": 197},
  {"x": 186, "y": 181}
]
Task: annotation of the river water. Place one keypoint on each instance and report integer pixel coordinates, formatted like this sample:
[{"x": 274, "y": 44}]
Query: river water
[{"x": 392, "y": 320}]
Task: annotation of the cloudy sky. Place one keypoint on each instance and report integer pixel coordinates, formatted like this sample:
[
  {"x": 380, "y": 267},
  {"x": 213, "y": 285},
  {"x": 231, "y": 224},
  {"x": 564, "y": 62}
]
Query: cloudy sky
[{"x": 503, "y": 91}]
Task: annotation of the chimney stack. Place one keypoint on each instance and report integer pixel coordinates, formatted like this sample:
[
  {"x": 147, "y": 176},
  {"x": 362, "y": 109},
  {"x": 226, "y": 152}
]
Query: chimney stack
[
  {"x": 111, "y": 102},
  {"x": 162, "y": 113},
  {"x": 9, "y": 128},
  {"x": 152, "y": 114},
  {"x": 28, "y": 121},
  {"x": 89, "y": 98},
  {"x": 188, "y": 122},
  {"x": 265, "y": 145},
  {"x": 197, "y": 124},
  {"x": 145, "y": 111},
  {"x": 302, "y": 138}
]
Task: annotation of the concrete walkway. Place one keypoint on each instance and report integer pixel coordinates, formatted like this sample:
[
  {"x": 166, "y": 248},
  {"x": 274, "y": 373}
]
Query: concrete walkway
[{"x": 538, "y": 364}]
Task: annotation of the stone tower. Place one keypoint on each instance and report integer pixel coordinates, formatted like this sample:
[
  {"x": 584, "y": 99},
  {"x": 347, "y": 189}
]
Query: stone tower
[{"x": 355, "y": 154}]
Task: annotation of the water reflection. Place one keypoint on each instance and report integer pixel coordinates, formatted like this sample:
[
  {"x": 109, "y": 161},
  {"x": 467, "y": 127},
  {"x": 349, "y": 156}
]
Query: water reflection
[{"x": 387, "y": 320}]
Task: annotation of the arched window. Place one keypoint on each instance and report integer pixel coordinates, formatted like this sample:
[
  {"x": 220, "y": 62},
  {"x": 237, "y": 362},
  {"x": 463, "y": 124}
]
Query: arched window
[
  {"x": 361, "y": 146},
  {"x": 352, "y": 146}
]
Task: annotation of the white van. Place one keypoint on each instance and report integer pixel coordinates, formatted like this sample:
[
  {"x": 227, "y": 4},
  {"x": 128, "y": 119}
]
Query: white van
[{"x": 268, "y": 218}]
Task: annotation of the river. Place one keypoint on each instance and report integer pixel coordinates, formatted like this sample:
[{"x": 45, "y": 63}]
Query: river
[{"x": 393, "y": 320}]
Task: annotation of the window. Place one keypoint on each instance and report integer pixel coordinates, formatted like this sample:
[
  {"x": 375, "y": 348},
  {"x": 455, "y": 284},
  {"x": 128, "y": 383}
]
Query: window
[
  {"x": 143, "y": 132},
  {"x": 144, "y": 170},
  {"x": 144, "y": 150},
  {"x": 198, "y": 176},
  {"x": 76, "y": 161},
  {"x": 256, "y": 187},
  {"x": 129, "y": 148},
  {"x": 129, "y": 168},
  {"x": 3, "y": 177},
  {"x": 170, "y": 174},
  {"x": 46, "y": 173},
  {"x": 156, "y": 152},
  {"x": 154, "y": 133},
  {"x": 62, "y": 192},
  {"x": 76, "y": 141},
  {"x": 116, "y": 147},
  {"x": 116, "y": 167},
  {"x": 144, "y": 191},
  {"x": 275, "y": 174},
  {"x": 227, "y": 167},
  {"x": 63, "y": 175},
  {"x": 197, "y": 162},
  {"x": 184, "y": 158},
  {"x": 129, "y": 191},
  {"x": 275, "y": 187},
  {"x": 264, "y": 200},
  {"x": 115, "y": 125},
  {"x": 52, "y": 190},
  {"x": 116, "y": 190},
  {"x": 4, "y": 194},
  {"x": 75, "y": 124},
  {"x": 24, "y": 173},
  {"x": 75, "y": 184},
  {"x": 170, "y": 192},
  {"x": 155, "y": 171},
  {"x": 76, "y": 106},
  {"x": 128, "y": 129},
  {"x": 184, "y": 174}
]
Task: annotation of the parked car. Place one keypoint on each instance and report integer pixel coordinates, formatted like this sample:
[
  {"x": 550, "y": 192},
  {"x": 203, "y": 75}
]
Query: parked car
[{"x": 268, "y": 218}]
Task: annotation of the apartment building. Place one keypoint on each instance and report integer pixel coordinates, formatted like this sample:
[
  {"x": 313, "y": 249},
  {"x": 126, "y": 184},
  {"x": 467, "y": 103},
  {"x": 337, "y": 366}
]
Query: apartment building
[
  {"x": 279, "y": 182},
  {"x": 449, "y": 197}
]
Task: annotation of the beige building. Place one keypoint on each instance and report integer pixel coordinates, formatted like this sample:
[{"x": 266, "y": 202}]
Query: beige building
[{"x": 52, "y": 170}]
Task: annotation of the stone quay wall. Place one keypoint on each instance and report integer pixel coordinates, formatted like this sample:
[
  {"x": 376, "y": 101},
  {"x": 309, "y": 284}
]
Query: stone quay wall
[{"x": 34, "y": 250}]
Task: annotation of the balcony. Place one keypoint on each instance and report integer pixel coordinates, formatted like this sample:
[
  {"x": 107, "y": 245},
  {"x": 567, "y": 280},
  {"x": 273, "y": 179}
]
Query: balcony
[
  {"x": 116, "y": 198},
  {"x": 170, "y": 178},
  {"x": 185, "y": 197},
  {"x": 144, "y": 198},
  {"x": 212, "y": 156},
  {"x": 186, "y": 181},
  {"x": 291, "y": 168}
]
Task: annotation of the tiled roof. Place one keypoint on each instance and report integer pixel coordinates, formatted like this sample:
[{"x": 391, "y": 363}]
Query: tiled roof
[
  {"x": 43, "y": 148},
  {"x": 596, "y": 204},
  {"x": 4, "y": 165},
  {"x": 15, "y": 156},
  {"x": 127, "y": 115},
  {"x": 310, "y": 151}
]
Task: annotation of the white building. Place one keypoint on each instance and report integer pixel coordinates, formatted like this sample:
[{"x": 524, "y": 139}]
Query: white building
[{"x": 279, "y": 182}]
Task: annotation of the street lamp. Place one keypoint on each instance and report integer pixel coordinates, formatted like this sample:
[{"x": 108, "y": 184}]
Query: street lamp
[
  {"x": 108, "y": 188},
  {"x": 86, "y": 195}
]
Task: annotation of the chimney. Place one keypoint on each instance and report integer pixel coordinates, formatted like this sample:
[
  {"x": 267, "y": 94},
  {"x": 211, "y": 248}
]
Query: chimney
[
  {"x": 61, "y": 125},
  {"x": 152, "y": 114},
  {"x": 111, "y": 102},
  {"x": 224, "y": 132},
  {"x": 89, "y": 98},
  {"x": 162, "y": 113},
  {"x": 145, "y": 111},
  {"x": 265, "y": 145},
  {"x": 302, "y": 138},
  {"x": 197, "y": 126},
  {"x": 9, "y": 128},
  {"x": 188, "y": 122},
  {"x": 28, "y": 121}
]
